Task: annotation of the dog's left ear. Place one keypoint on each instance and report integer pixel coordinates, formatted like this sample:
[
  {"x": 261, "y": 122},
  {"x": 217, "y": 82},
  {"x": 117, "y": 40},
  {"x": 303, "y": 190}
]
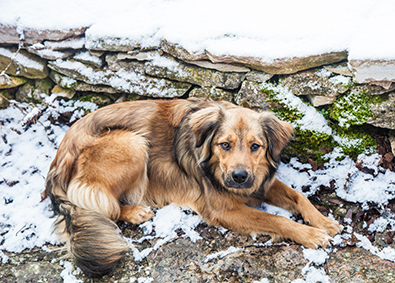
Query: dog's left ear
[
  {"x": 204, "y": 123},
  {"x": 277, "y": 132}
]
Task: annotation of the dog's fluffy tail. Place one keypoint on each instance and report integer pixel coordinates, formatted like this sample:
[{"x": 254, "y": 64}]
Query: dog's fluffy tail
[{"x": 94, "y": 242}]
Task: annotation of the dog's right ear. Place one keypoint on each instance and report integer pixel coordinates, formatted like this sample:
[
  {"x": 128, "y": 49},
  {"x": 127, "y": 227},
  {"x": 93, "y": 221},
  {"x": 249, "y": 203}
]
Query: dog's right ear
[{"x": 204, "y": 123}]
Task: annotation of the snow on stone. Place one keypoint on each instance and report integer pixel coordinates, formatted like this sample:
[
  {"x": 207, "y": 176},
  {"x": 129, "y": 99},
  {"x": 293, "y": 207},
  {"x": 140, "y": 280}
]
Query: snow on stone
[
  {"x": 68, "y": 273},
  {"x": 318, "y": 256},
  {"x": 222, "y": 254},
  {"x": 380, "y": 224},
  {"x": 313, "y": 275},
  {"x": 76, "y": 43},
  {"x": 87, "y": 57},
  {"x": 351, "y": 184},
  {"x": 386, "y": 253},
  {"x": 21, "y": 59},
  {"x": 265, "y": 29}
]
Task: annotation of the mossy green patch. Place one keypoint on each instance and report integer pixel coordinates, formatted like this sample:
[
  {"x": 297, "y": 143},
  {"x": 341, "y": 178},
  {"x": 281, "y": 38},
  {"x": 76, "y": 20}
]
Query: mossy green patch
[{"x": 353, "y": 108}]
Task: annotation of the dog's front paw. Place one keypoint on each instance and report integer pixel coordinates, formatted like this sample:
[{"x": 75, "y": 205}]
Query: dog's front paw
[
  {"x": 330, "y": 226},
  {"x": 313, "y": 238}
]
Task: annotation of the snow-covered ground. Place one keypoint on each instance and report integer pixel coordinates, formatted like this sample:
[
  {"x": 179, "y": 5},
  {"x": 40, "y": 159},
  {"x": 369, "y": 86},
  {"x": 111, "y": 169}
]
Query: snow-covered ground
[
  {"x": 265, "y": 29},
  {"x": 26, "y": 219}
]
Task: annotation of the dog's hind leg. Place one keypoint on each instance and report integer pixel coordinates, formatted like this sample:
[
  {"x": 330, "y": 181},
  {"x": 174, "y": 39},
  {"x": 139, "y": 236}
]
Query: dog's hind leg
[{"x": 111, "y": 171}]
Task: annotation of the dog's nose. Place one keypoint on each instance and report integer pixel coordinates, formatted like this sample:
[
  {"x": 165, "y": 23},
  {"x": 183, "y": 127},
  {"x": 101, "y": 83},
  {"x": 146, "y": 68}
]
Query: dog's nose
[{"x": 240, "y": 175}]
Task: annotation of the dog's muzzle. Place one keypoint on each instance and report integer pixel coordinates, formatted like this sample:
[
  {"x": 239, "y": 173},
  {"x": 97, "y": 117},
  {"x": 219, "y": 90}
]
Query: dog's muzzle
[{"x": 239, "y": 179}]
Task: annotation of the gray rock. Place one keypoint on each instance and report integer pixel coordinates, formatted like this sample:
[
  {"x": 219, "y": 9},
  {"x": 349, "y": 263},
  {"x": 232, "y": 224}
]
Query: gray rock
[
  {"x": 169, "y": 68},
  {"x": 87, "y": 58},
  {"x": 9, "y": 34},
  {"x": 366, "y": 71},
  {"x": 26, "y": 65},
  {"x": 219, "y": 66},
  {"x": 251, "y": 96},
  {"x": 49, "y": 54},
  {"x": 32, "y": 91},
  {"x": 340, "y": 69},
  {"x": 69, "y": 83},
  {"x": 180, "y": 52},
  {"x": 281, "y": 66},
  {"x": 384, "y": 113},
  {"x": 113, "y": 44},
  {"x": 213, "y": 93},
  {"x": 259, "y": 77},
  {"x": 70, "y": 43},
  {"x": 10, "y": 81},
  {"x": 121, "y": 80},
  {"x": 139, "y": 56},
  {"x": 63, "y": 92},
  {"x": 320, "y": 86}
]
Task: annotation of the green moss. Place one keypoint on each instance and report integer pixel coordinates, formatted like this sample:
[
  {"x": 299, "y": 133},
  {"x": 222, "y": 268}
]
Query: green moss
[
  {"x": 99, "y": 100},
  {"x": 353, "y": 108}
]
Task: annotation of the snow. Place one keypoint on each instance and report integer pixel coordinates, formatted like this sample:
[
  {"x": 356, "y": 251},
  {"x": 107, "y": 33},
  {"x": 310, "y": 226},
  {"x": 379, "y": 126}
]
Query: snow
[
  {"x": 265, "y": 29},
  {"x": 222, "y": 254},
  {"x": 21, "y": 59}
]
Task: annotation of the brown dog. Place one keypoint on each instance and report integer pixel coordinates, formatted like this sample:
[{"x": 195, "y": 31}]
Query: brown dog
[{"x": 214, "y": 157}]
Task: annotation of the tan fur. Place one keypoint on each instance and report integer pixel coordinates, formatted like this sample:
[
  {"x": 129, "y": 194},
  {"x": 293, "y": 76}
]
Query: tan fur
[{"x": 214, "y": 157}]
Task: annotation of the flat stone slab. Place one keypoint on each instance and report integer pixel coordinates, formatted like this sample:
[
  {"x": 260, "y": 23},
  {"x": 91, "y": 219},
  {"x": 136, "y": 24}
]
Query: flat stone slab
[
  {"x": 366, "y": 71},
  {"x": 9, "y": 34},
  {"x": 25, "y": 64}
]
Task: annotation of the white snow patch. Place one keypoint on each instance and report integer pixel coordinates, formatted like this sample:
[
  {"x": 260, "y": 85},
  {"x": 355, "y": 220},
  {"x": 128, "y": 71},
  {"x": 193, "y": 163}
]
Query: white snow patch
[
  {"x": 318, "y": 256},
  {"x": 22, "y": 59},
  {"x": 222, "y": 254},
  {"x": 68, "y": 273},
  {"x": 386, "y": 253}
]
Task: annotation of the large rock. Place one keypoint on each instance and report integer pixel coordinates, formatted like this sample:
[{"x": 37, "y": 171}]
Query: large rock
[
  {"x": 320, "y": 86},
  {"x": 281, "y": 66},
  {"x": 366, "y": 71},
  {"x": 181, "y": 53},
  {"x": 167, "y": 67},
  {"x": 49, "y": 54},
  {"x": 69, "y": 83},
  {"x": 384, "y": 112},
  {"x": 10, "y": 35},
  {"x": 10, "y": 81},
  {"x": 69, "y": 43},
  {"x": 26, "y": 65},
  {"x": 113, "y": 44},
  {"x": 33, "y": 90},
  {"x": 213, "y": 93},
  {"x": 251, "y": 96},
  {"x": 219, "y": 67},
  {"x": 122, "y": 80}
]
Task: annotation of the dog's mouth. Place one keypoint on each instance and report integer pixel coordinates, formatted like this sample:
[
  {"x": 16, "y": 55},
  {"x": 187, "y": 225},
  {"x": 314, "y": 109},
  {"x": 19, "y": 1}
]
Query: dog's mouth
[{"x": 239, "y": 179}]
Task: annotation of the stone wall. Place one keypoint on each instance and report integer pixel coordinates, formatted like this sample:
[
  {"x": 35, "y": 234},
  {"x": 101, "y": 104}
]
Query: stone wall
[{"x": 348, "y": 93}]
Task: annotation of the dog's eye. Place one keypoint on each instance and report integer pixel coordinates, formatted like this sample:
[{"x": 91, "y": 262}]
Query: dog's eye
[
  {"x": 225, "y": 145},
  {"x": 255, "y": 147}
]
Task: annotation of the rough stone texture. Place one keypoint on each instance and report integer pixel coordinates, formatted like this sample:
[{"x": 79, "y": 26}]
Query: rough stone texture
[
  {"x": 9, "y": 34},
  {"x": 251, "y": 96},
  {"x": 113, "y": 44},
  {"x": 63, "y": 92},
  {"x": 257, "y": 76},
  {"x": 358, "y": 265},
  {"x": 340, "y": 69},
  {"x": 321, "y": 89},
  {"x": 67, "y": 82},
  {"x": 384, "y": 113},
  {"x": 184, "y": 261},
  {"x": 32, "y": 91},
  {"x": 366, "y": 71},
  {"x": 169, "y": 68},
  {"x": 139, "y": 56},
  {"x": 4, "y": 98},
  {"x": 10, "y": 81},
  {"x": 219, "y": 67},
  {"x": 281, "y": 66},
  {"x": 26, "y": 65},
  {"x": 49, "y": 54},
  {"x": 213, "y": 93},
  {"x": 181, "y": 53},
  {"x": 122, "y": 80},
  {"x": 69, "y": 43}
]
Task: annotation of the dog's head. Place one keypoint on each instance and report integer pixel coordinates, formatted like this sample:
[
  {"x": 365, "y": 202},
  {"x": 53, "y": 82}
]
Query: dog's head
[{"x": 238, "y": 147}]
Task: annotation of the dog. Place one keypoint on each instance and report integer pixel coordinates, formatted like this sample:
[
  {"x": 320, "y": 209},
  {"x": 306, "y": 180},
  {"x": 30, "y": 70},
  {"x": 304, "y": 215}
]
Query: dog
[{"x": 216, "y": 158}]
